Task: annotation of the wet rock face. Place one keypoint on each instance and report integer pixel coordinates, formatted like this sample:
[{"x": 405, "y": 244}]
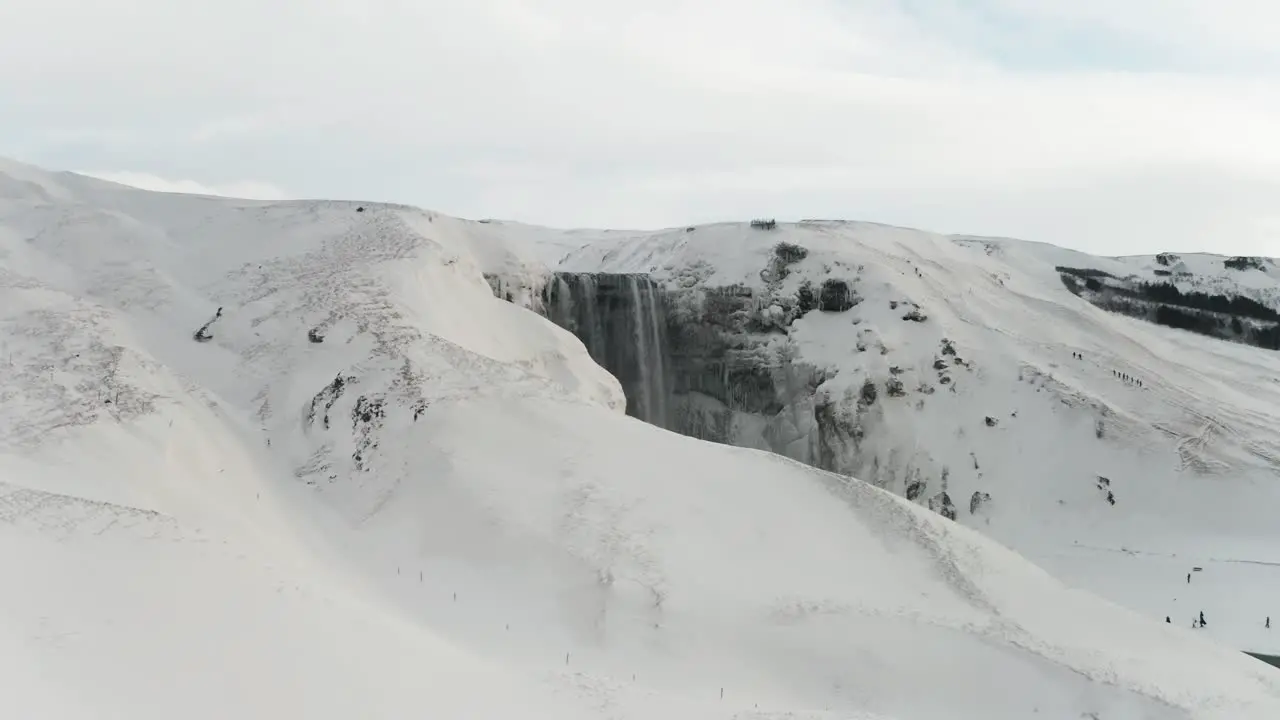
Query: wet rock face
[
  {"x": 716, "y": 363},
  {"x": 714, "y": 355},
  {"x": 736, "y": 377},
  {"x": 622, "y": 321},
  {"x": 712, "y": 363}
]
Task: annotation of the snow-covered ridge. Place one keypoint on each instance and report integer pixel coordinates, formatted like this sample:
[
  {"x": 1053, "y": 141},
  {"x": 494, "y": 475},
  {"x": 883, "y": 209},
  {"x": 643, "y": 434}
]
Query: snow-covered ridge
[{"x": 373, "y": 489}]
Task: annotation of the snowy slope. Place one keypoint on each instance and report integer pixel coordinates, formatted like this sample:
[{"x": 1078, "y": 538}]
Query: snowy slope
[
  {"x": 1191, "y": 454},
  {"x": 379, "y": 491}
]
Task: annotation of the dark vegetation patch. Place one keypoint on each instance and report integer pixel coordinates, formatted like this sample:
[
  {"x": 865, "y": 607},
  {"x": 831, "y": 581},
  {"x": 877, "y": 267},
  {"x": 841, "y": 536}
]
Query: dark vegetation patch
[
  {"x": 835, "y": 296},
  {"x": 784, "y": 256},
  {"x": 789, "y": 253},
  {"x": 1228, "y": 317},
  {"x": 868, "y": 394},
  {"x": 1225, "y": 304},
  {"x": 806, "y": 300},
  {"x": 1083, "y": 272}
]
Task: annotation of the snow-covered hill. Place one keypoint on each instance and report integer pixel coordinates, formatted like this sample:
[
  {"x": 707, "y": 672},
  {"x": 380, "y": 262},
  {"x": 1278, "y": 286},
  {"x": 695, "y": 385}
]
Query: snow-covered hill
[
  {"x": 964, "y": 374},
  {"x": 296, "y": 460}
]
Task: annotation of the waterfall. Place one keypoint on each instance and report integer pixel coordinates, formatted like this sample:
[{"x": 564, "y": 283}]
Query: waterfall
[
  {"x": 621, "y": 319},
  {"x": 593, "y": 334},
  {"x": 643, "y": 357},
  {"x": 656, "y": 327}
]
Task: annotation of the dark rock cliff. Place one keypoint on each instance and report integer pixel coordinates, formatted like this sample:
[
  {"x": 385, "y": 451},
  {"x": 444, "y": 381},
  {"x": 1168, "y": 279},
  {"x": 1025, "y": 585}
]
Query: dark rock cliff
[{"x": 714, "y": 363}]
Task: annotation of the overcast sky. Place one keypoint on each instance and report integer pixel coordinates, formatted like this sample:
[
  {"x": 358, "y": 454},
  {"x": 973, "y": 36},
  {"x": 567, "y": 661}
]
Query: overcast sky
[{"x": 1112, "y": 126}]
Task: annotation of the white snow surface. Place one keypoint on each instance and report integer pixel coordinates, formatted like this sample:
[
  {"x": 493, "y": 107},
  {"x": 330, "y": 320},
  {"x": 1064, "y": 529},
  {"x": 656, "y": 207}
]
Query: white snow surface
[{"x": 440, "y": 510}]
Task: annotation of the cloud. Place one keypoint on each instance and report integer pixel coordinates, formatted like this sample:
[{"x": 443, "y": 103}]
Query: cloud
[
  {"x": 245, "y": 189},
  {"x": 1234, "y": 34},
  {"x": 974, "y": 116}
]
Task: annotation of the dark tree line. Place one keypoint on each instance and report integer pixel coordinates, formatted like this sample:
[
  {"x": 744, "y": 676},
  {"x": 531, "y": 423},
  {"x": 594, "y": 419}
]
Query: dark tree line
[
  {"x": 1265, "y": 337},
  {"x": 1169, "y": 294},
  {"x": 1225, "y": 304},
  {"x": 1083, "y": 272},
  {"x": 1204, "y": 313},
  {"x": 1183, "y": 320},
  {"x": 1197, "y": 321}
]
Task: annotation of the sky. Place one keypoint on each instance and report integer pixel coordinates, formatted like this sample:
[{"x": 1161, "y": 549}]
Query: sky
[{"x": 1110, "y": 126}]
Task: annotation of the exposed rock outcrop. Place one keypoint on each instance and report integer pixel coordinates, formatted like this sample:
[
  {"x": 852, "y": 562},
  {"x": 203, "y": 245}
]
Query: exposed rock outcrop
[{"x": 716, "y": 363}]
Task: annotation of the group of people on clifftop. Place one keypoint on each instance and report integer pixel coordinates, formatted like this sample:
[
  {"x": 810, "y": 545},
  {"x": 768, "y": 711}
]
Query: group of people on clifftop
[{"x": 1199, "y": 622}]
